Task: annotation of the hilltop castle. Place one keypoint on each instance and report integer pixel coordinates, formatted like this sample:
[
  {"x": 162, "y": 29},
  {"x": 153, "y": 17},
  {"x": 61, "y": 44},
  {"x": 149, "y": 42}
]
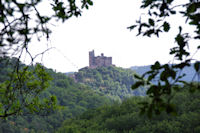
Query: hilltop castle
[{"x": 99, "y": 61}]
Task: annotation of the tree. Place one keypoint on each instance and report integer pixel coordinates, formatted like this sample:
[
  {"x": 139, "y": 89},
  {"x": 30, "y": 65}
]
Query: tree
[
  {"x": 20, "y": 22},
  {"x": 168, "y": 76},
  {"x": 20, "y": 93}
]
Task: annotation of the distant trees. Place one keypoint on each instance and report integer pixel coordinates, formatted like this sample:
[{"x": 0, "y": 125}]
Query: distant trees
[
  {"x": 170, "y": 74},
  {"x": 125, "y": 117},
  {"x": 113, "y": 81}
]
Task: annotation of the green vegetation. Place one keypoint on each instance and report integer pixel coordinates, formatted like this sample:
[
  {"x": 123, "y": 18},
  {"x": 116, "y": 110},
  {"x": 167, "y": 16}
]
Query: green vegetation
[
  {"x": 25, "y": 89},
  {"x": 20, "y": 87},
  {"x": 113, "y": 81},
  {"x": 82, "y": 109},
  {"x": 155, "y": 21},
  {"x": 72, "y": 100},
  {"x": 125, "y": 117},
  {"x": 20, "y": 22}
]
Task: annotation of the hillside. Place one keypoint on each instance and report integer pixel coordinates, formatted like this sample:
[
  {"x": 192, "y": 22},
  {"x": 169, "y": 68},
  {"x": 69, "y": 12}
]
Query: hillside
[
  {"x": 73, "y": 99},
  {"x": 86, "y": 105},
  {"x": 113, "y": 81},
  {"x": 125, "y": 118}
]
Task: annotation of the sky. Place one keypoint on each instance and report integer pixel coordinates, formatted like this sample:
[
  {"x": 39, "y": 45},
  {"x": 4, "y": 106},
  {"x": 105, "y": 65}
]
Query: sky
[{"x": 103, "y": 28}]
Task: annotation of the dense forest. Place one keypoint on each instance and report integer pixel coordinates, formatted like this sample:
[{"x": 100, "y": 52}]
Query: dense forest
[
  {"x": 101, "y": 101},
  {"x": 72, "y": 99},
  {"x": 126, "y": 118},
  {"x": 114, "y": 82}
]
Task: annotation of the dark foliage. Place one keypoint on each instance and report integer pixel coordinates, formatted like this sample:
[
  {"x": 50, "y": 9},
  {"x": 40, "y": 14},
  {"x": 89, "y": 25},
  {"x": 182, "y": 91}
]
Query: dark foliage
[
  {"x": 125, "y": 117},
  {"x": 168, "y": 75}
]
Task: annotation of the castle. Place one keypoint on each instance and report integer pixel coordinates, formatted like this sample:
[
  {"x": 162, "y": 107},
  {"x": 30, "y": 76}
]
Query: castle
[{"x": 99, "y": 61}]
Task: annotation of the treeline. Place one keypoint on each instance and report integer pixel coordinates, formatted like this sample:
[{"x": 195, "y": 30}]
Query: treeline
[
  {"x": 113, "y": 81},
  {"x": 88, "y": 105},
  {"x": 73, "y": 99},
  {"x": 126, "y": 118}
]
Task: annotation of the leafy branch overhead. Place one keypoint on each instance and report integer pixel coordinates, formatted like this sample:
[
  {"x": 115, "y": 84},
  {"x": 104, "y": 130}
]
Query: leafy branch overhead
[
  {"x": 20, "y": 23},
  {"x": 168, "y": 76},
  {"x": 20, "y": 94}
]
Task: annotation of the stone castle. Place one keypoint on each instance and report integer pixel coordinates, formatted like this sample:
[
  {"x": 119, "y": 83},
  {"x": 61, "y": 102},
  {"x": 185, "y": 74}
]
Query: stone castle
[{"x": 99, "y": 61}]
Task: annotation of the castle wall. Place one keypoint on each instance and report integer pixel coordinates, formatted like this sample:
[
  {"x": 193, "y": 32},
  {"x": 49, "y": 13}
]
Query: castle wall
[
  {"x": 91, "y": 59},
  {"x": 99, "y": 61}
]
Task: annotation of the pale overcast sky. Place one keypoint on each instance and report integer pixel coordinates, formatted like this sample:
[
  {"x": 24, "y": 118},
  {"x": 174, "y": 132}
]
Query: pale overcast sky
[{"x": 103, "y": 28}]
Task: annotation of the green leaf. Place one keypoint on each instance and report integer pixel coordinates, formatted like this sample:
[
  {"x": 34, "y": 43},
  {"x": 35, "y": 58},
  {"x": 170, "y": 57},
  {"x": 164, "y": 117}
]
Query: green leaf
[
  {"x": 170, "y": 1},
  {"x": 21, "y": 6},
  {"x": 152, "y": 89},
  {"x": 132, "y": 27},
  {"x": 146, "y": 3},
  {"x": 180, "y": 29},
  {"x": 166, "y": 26},
  {"x": 86, "y": 6},
  {"x": 156, "y": 65},
  {"x": 173, "y": 74},
  {"x": 191, "y": 8},
  {"x": 180, "y": 40},
  {"x": 151, "y": 22},
  {"x": 149, "y": 32},
  {"x": 90, "y": 2},
  {"x": 173, "y": 12},
  {"x": 197, "y": 66},
  {"x": 152, "y": 76},
  {"x": 137, "y": 84},
  {"x": 197, "y": 37},
  {"x": 164, "y": 75},
  {"x": 137, "y": 76}
]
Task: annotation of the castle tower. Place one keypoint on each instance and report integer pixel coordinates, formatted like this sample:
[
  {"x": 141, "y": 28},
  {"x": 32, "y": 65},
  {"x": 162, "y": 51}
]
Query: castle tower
[
  {"x": 91, "y": 59},
  {"x": 99, "y": 61}
]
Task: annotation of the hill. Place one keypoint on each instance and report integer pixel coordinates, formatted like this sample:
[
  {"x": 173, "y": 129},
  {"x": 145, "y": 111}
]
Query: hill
[
  {"x": 72, "y": 98},
  {"x": 112, "y": 81}
]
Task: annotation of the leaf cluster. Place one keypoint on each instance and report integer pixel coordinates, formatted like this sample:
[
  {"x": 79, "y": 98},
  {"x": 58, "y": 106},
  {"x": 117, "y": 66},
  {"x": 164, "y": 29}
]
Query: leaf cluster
[
  {"x": 20, "y": 21},
  {"x": 167, "y": 76},
  {"x": 20, "y": 93}
]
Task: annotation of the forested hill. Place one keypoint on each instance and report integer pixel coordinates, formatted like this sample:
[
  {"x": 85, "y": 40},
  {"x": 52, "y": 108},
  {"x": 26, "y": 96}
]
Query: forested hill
[
  {"x": 113, "y": 81},
  {"x": 74, "y": 99}
]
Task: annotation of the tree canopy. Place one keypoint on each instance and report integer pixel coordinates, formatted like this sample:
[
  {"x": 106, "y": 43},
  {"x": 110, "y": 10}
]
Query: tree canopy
[
  {"x": 170, "y": 74},
  {"x": 72, "y": 99},
  {"x": 20, "y": 22},
  {"x": 125, "y": 117},
  {"x": 114, "y": 82}
]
